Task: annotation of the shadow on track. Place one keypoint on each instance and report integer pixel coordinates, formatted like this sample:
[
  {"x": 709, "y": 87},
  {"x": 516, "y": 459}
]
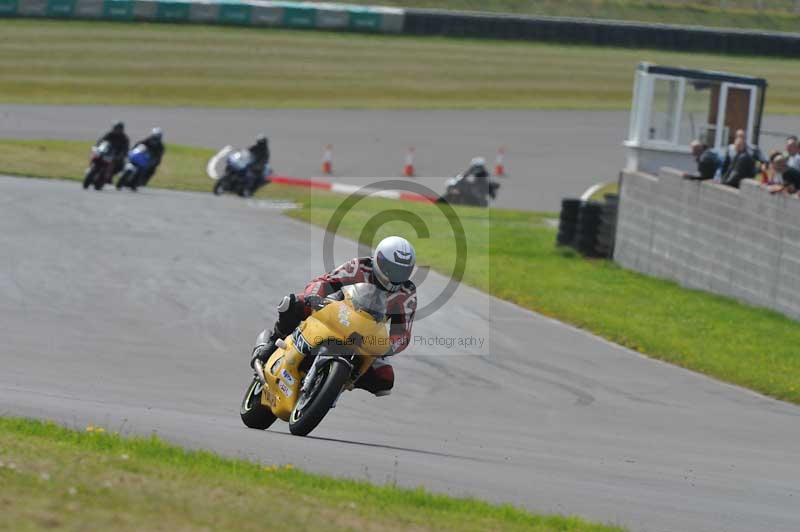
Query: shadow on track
[{"x": 394, "y": 448}]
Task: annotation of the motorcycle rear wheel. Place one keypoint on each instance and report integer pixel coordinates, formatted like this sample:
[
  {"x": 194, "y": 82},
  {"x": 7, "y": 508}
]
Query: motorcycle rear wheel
[
  {"x": 254, "y": 414},
  {"x": 302, "y": 422}
]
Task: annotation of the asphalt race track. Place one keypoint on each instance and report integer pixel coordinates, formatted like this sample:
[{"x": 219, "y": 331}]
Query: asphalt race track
[
  {"x": 137, "y": 312},
  {"x": 550, "y": 154}
]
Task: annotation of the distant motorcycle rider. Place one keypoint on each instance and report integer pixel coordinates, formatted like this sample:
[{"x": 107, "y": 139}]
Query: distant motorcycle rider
[
  {"x": 483, "y": 185},
  {"x": 155, "y": 147},
  {"x": 120, "y": 144},
  {"x": 255, "y": 173},
  {"x": 389, "y": 268}
]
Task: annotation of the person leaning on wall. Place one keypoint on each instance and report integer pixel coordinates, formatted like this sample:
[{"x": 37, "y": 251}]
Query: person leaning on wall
[
  {"x": 739, "y": 163},
  {"x": 782, "y": 177},
  {"x": 707, "y": 162}
]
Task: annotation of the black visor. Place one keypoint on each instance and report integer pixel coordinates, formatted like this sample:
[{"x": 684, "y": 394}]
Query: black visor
[{"x": 396, "y": 272}]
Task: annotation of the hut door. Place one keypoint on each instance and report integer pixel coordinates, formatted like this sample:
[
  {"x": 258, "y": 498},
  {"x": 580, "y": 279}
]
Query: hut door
[{"x": 737, "y": 106}]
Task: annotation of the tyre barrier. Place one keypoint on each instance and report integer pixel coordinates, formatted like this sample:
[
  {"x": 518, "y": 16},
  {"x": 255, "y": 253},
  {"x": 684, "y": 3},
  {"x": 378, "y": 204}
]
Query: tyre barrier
[
  {"x": 600, "y": 32},
  {"x": 589, "y": 226},
  {"x": 568, "y": 221},
  {"x": 608, "y": 227},
  {"x": 330, "y": 16}
]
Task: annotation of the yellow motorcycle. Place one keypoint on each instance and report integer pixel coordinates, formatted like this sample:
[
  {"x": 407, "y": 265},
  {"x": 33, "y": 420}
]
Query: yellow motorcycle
[{"x": 326, "y": 354}]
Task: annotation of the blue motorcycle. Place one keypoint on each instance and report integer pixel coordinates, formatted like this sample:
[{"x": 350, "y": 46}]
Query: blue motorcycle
[
  {"x": 236, "y": 178},
  {"x": 139, "y": 162}
]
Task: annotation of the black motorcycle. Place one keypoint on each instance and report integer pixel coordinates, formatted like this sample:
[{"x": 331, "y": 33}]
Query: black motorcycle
[
  {"x": 100, "y": 163},
  {"x": 460, "y": 190}
]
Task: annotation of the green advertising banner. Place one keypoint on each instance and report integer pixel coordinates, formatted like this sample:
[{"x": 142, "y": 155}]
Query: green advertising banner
[
  {"x": 235, "y": 13},
  {"x": 118, "y": 9},
  {"x": 60, "y": 8},
  {"x": 365, "y": 20},
  {"x": 295, "y": 16},
  {"x": 173, "y": 11},
  {"x": 8, "y": 7}
]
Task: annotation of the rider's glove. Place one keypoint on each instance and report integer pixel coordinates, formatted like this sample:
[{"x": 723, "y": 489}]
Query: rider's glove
[{"x": 313, "y": 301}]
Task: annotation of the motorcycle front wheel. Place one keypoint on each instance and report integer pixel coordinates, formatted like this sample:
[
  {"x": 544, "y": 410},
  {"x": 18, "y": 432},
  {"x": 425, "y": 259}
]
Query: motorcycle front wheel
[
  {"x": 254, "y": 414},
  {"x": 315, "y": 404},
  {"x": 219, "y": 186},
  {"x": 89, "y": 177},
  {"x": 123, "y": 179}
]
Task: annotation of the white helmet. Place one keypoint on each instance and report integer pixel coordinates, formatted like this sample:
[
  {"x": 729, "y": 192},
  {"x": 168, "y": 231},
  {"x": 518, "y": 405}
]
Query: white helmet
[
  {"x": 478, "y": 161},
  {"x": 393, "y": 262}
]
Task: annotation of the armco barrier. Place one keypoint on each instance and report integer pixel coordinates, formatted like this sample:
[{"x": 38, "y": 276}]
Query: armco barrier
[
  {"x": 328, "y": 16},
  {"x": 739, "y": 243},
  {"x": 242, "y": 13}
]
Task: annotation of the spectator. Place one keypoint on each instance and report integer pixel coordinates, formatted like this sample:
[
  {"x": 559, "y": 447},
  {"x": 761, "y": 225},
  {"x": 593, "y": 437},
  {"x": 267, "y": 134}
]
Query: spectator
[
  {"x": 793, "y": 152},
  {"x": 784, "y": 178},
  {"x": 707, "y": 162},
  {"x": 754, "y": 151},
  {"x": 768, "y": 174},
  {"x": 739, "y": 163}
]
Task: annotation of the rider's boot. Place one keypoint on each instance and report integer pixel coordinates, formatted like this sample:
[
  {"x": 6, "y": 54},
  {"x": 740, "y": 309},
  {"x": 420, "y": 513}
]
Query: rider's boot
[
  {"x": 266, "y": 344},
  {"x": 290, "y": 314},
  {"x": 377, "y": 380}
]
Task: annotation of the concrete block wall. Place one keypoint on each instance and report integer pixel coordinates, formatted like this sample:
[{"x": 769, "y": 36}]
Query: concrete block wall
[{"x": 740, "y": 243}]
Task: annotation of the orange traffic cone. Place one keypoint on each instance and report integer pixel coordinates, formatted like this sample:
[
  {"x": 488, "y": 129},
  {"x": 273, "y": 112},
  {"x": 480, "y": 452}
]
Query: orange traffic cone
[
  {"x": 499, "y": 167},
  {"x": 327, "y": 160},
  {"x": 408, "y": 169}
]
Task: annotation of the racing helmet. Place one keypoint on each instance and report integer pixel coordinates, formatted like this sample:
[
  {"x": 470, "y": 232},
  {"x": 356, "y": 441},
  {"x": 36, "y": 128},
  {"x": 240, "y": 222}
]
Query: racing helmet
[
  {"x": 118, "y": 127},
  {"x": 393, "y": 262},
  {"x": 156, "y": 133},
  {"x": 261, "y": 139},
  {"x": 477, "y": 161}
]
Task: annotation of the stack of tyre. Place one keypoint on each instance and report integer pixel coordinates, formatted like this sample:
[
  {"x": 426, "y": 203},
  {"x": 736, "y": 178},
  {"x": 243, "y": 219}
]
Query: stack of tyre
[
  {"x": 588, "y": 226},
  {"x": 608, "y": 226},
  {"x": 568, "y": 221}
]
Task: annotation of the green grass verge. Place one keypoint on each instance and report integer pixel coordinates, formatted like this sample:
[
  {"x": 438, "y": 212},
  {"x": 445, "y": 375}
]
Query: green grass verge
[
  {"x": 55, "y": 478},
  {"x": 512, "y": 256},
  {"x": 46, "y": 62},
  {"x": 183, "y": 167},
  {"x": 777, "y": 15}
]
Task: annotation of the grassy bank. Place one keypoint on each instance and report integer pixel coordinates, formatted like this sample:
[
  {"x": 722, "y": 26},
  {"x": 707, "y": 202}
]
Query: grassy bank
[
  {"x": 512, "y": 255},
  {"x": 777, "y": 15},
  {"x": 54, "y": 478},
  {"x": 43, "y": 62}
]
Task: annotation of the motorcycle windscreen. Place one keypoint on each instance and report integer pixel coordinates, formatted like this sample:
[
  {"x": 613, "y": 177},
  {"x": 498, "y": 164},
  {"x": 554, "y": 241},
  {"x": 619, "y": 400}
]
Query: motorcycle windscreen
[
  {"x": 240, "y": 160},
  {"x": 368, "y": 298}
]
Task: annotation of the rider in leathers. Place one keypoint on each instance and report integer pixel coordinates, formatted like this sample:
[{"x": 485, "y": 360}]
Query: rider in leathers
[
  {"x": 255, "y": 173},
  {"x": 155, "y": 147},
  {"x": 390, "y": 269},
  {"x": 120, "y": 144}
]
